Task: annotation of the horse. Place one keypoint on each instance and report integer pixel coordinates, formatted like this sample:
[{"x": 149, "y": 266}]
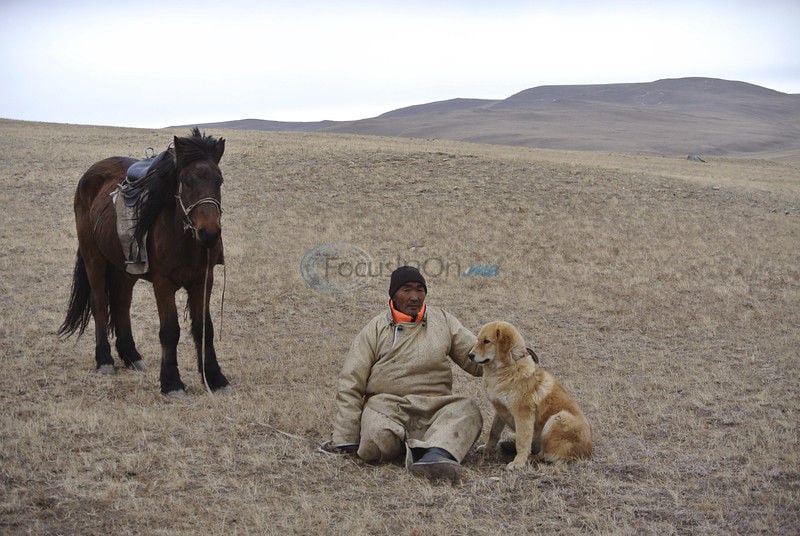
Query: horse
[{"x": 179, "y": 222}]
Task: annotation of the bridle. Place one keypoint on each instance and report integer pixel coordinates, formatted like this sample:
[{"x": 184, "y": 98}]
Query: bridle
[{"x": 187, "y": 221}]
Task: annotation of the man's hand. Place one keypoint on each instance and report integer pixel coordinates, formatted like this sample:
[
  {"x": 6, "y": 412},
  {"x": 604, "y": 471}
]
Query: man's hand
[{"x": 339, "y": 448}]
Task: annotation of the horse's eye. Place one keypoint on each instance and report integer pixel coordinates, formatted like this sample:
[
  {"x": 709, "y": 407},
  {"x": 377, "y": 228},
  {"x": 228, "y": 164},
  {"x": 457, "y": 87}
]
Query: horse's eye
[{"x": 486, "y": 341}]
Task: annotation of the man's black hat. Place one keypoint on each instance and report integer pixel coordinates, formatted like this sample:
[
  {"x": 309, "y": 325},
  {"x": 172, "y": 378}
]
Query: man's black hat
[{"x": 403, "y": 275}]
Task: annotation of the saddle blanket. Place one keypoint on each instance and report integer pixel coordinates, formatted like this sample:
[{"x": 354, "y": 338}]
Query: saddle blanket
[{"x": 135, "y": 254}]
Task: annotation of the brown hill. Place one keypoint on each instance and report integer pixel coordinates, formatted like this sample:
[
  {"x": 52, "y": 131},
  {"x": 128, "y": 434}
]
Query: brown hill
[{"x": 673, "y": 116}]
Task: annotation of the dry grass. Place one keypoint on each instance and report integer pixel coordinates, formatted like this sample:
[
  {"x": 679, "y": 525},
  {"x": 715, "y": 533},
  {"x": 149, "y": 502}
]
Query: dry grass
[{"x": 664, "y": 293}]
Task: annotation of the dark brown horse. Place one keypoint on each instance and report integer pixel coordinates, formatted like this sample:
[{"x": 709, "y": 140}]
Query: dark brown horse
[{"x": 179, "y": 219}]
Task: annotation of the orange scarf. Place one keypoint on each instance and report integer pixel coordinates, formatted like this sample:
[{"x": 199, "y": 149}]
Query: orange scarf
[{"x": 400, "y": 317}]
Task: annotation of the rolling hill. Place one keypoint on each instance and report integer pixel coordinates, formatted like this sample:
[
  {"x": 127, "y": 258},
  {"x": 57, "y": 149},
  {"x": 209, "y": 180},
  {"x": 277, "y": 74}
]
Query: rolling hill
[{"x": 671, "y": 116}]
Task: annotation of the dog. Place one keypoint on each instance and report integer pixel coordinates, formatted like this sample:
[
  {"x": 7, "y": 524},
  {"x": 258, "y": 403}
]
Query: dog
[{"x": 529, "y": 400}]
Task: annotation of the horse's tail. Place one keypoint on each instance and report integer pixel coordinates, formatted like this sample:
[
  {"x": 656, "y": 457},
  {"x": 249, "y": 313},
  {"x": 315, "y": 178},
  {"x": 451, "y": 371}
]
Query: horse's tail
[{"x": 79, "y": 309}]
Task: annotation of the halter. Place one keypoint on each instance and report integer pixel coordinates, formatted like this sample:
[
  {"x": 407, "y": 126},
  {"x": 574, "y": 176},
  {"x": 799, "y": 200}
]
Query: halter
[{"x": 187, "y": 221}]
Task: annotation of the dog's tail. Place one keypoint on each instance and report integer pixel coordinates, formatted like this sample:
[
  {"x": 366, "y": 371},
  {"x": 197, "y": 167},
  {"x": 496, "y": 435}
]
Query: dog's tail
[{"x": 566, "y": 437}]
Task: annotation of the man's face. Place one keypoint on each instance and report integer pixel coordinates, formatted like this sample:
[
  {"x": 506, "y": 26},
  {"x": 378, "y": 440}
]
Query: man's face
[{"x": 409, "y": 299}]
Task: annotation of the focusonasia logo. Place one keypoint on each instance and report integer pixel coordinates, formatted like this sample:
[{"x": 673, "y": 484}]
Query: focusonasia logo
[{"x": 341, "y": 267}]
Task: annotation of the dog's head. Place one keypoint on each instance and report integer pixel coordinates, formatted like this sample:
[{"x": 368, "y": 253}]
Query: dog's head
[{"x": 499, "y": 345}]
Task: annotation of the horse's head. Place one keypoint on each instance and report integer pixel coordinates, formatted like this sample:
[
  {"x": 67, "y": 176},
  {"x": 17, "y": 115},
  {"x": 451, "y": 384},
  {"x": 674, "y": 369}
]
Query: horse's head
[{"x": 199, "y": 185}]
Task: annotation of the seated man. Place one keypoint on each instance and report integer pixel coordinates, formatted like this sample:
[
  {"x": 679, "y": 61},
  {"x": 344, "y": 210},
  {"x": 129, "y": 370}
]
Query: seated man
[{"x": 395, "y": 388}]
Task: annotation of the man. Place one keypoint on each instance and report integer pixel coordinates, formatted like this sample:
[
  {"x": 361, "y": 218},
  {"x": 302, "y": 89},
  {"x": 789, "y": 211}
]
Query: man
[{"x": 395, "y": 388}]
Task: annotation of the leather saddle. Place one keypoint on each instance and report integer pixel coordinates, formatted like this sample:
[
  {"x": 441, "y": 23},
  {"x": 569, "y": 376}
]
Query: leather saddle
[{"x": 137, "y": 177}]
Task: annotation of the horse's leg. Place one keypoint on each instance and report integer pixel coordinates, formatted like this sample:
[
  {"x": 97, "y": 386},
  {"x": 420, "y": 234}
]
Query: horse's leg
[
  {"x": 96, "y": 267},
  {"x": 121, "y": 318},
  {"x": 197, "y": 299},
  {"x": 169, "y": 334}
]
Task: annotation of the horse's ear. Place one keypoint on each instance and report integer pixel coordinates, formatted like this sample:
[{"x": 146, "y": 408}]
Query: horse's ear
[
  {"x": 219, "y": 148},
  {"x": 178, "y": 144}
]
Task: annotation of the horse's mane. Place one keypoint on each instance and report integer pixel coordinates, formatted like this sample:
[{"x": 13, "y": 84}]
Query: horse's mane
[
  {"x": 198, "y": 147},
  {"x": 161, "y": 185},
  {"x": 161, "y": 182}
]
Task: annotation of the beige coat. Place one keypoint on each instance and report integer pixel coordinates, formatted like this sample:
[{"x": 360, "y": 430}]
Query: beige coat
[{"x": 396, "y": 383}]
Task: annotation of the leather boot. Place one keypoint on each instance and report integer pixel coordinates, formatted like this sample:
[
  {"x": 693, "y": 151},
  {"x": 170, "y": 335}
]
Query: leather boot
[{"x": 437, "y": 464}]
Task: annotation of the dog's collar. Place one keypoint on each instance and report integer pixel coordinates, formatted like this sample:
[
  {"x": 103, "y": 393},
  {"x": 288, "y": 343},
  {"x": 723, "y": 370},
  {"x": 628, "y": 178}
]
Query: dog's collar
[{"x": 528, "y": 352}]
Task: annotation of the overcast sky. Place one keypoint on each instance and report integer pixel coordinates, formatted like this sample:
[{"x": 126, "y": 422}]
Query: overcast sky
[{"x": 152, "y": 64}]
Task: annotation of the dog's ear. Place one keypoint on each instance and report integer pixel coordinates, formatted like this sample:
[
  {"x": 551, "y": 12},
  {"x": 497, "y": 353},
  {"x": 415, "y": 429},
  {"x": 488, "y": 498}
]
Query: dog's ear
[
  {"x": 498, "y": 340},
  {"x": 503, "y": 341}
]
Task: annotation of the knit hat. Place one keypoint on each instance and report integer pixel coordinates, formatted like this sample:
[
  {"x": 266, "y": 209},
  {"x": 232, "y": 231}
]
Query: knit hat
[{"x": 403, "y": 275}]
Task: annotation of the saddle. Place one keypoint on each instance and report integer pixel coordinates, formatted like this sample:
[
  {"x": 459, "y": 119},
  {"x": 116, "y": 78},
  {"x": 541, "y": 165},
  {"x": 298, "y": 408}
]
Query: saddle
[{"x": 138, "y": 175}]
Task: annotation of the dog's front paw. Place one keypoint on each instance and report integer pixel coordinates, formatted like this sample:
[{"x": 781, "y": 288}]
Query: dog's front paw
[{"x": 516, "y": 464}]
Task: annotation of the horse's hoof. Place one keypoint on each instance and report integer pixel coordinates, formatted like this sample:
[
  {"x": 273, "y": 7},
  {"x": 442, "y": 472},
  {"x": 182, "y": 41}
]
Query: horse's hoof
[
  {"x": 138, "y": 366},
  {"x": 177, "y": 394},
  {"x": 227, "y": 390},
  {"x": 106, "y": 370}
]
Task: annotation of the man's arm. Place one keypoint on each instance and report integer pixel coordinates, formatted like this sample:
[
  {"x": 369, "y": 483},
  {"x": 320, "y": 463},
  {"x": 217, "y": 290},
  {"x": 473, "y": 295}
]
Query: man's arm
[
  {"x": 351, "y": 387},
  {"x": 462, "y": 342}
]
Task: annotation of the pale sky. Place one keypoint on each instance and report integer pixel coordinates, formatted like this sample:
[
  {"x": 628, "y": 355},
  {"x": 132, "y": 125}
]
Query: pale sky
[{"x": 155, "y": 63}]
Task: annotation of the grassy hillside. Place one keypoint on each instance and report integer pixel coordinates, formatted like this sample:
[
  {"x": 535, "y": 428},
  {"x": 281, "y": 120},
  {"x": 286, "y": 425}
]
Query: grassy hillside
[
  {"x": 667, "y": 117},
  {"x": 665, "y": 294}
]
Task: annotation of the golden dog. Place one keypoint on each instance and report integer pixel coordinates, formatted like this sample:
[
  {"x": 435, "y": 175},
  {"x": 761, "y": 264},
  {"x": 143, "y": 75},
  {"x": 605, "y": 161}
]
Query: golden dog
[{"x": 529, "y": 400}]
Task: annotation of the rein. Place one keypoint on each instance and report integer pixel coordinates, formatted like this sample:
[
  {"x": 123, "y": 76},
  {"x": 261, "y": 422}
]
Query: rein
[
  {"x": 205, "y": 301},
  {"x": 205, "y": 312}
]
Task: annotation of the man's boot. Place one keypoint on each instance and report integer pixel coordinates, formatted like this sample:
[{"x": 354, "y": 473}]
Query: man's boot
[{"x": 437, "y": 464}]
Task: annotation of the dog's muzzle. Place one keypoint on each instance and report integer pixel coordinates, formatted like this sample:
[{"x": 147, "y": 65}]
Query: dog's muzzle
[{"x": 474, "y": 359}]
